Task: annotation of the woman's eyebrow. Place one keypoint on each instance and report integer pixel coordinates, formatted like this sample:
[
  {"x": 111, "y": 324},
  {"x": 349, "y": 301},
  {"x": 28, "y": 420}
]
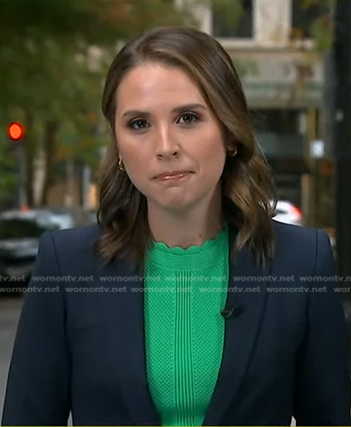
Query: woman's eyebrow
[
  {"x": 134, "y": 113},
  {"x": 146, "y": 114},
  {"x": 192, "y": 106}
]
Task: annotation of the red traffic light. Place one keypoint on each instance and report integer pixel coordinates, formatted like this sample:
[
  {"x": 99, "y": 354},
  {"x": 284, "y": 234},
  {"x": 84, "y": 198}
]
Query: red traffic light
[{"x": 15, "y": 131}]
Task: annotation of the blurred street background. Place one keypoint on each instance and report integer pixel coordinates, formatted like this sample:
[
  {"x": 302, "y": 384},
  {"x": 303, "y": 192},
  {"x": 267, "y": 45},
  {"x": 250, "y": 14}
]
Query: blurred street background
[{"x": 294, "y": 59}]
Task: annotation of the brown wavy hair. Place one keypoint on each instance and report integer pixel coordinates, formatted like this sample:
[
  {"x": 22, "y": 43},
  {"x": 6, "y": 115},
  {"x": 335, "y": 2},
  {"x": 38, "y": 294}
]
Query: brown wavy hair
[{"x": 247, "y": 185}]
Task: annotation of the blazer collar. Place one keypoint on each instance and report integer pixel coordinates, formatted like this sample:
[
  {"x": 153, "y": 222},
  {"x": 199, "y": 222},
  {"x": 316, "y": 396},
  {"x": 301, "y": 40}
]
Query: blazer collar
[{"x": 126, "y": 310}]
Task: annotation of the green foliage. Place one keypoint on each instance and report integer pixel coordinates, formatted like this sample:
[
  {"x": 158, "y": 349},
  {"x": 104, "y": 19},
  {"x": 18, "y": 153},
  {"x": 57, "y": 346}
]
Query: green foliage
[
  {"x": 305, "y": 4},
  {"x": 54, "y": 55},
  {"x": 322, "y": 33},
  {"x": 321, "y": 27},
  {"x": 96, "y": 22},
  {"x": 230, "y": 11}
]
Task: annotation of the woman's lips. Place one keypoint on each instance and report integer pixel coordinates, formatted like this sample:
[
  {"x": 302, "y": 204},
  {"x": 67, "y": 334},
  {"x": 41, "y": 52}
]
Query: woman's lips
[{"x": 173, "y": 176}]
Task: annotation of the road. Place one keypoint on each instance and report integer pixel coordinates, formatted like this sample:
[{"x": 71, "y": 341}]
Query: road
[{"x": 10, "y": 308}]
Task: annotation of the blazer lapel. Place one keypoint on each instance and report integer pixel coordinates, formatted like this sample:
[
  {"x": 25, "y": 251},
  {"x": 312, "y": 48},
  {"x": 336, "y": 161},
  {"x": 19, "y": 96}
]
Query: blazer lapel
[
  {"x": 240, "y": 331},
  {"x": 126, "y": 323}
]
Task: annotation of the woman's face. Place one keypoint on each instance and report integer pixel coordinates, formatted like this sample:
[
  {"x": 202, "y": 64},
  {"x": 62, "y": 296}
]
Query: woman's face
[{"x": 170, "y": 141}]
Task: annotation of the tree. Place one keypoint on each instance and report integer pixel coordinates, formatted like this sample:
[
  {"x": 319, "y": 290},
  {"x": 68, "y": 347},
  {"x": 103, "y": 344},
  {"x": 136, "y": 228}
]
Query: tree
[{"x": 50, "y": 78}]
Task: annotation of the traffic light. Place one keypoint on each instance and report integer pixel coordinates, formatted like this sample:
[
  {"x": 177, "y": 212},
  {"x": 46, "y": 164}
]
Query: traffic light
[{"x": 15, "y": 131}]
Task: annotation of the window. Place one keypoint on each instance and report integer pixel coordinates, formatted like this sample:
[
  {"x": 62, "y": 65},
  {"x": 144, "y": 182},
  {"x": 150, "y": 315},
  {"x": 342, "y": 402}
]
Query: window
[
  {"x": 277, "y": 132},
  {"x": 304, "y": 15},
  {"x": 232, "y": 19}
]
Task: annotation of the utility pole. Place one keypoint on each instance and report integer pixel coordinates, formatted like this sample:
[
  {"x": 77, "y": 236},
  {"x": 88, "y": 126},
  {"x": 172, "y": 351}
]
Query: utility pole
[
  {"x": 16, "y": 132},
  {"x": 341, "y": 55}
]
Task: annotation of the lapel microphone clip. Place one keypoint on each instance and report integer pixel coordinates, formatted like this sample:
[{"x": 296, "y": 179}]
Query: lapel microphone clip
[{"x": 231, "y": 312}]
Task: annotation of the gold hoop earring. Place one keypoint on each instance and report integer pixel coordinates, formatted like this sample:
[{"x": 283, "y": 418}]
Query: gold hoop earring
[
  {"x": 233, "y": 152},
  {"x": 121, "y": 165}
]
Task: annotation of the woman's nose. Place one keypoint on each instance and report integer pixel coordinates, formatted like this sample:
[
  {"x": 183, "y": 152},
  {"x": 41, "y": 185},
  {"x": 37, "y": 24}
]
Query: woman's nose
[{"x": 166, "y": 143}]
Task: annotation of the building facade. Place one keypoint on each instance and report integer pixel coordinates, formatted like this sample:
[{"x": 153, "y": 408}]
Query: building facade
[{"x": 274, "y": 52}]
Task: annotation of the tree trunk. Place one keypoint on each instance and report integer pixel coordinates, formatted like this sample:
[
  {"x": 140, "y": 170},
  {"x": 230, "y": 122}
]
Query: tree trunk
[
  {"x": 29, "y": 148},
  {"x": 49, "y": 147}
]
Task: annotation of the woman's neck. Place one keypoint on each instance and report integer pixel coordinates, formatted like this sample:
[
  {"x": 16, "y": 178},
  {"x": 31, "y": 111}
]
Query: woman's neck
[{"x": 185, "y": 230}]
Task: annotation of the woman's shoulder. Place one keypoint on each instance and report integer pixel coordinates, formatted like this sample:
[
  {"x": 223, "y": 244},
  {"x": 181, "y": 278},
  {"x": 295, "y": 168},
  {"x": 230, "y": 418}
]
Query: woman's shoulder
[
  {"x": 72, "y": 240},
  {"x": 282, "y": 230},
  {"x": 78, "y": 234},
  {"x": 300, "y": 238}
]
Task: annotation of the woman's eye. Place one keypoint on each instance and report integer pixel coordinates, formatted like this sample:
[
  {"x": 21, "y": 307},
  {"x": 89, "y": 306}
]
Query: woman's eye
[
  {"x": 188, "y": 118},
  {"x": 138, "y": 124}
]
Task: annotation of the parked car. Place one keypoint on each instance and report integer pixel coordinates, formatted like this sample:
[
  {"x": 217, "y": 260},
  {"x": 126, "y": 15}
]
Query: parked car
[
  {"x": 19, "y": 238},
  {"x": 66, "y": 218},
  {"x": 288, "y": 213},
  {"x": 72, "y": 217}
]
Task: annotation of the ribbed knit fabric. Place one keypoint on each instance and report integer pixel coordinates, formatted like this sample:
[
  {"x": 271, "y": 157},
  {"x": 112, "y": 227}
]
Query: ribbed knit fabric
[{"x": 185, "y": 289}]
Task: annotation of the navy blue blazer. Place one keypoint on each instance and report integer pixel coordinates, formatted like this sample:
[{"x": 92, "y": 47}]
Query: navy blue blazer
[{"x": 285, "y": 353}]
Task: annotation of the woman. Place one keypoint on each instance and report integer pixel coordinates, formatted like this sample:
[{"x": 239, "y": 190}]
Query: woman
[{"x": 174, "y": 310}]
